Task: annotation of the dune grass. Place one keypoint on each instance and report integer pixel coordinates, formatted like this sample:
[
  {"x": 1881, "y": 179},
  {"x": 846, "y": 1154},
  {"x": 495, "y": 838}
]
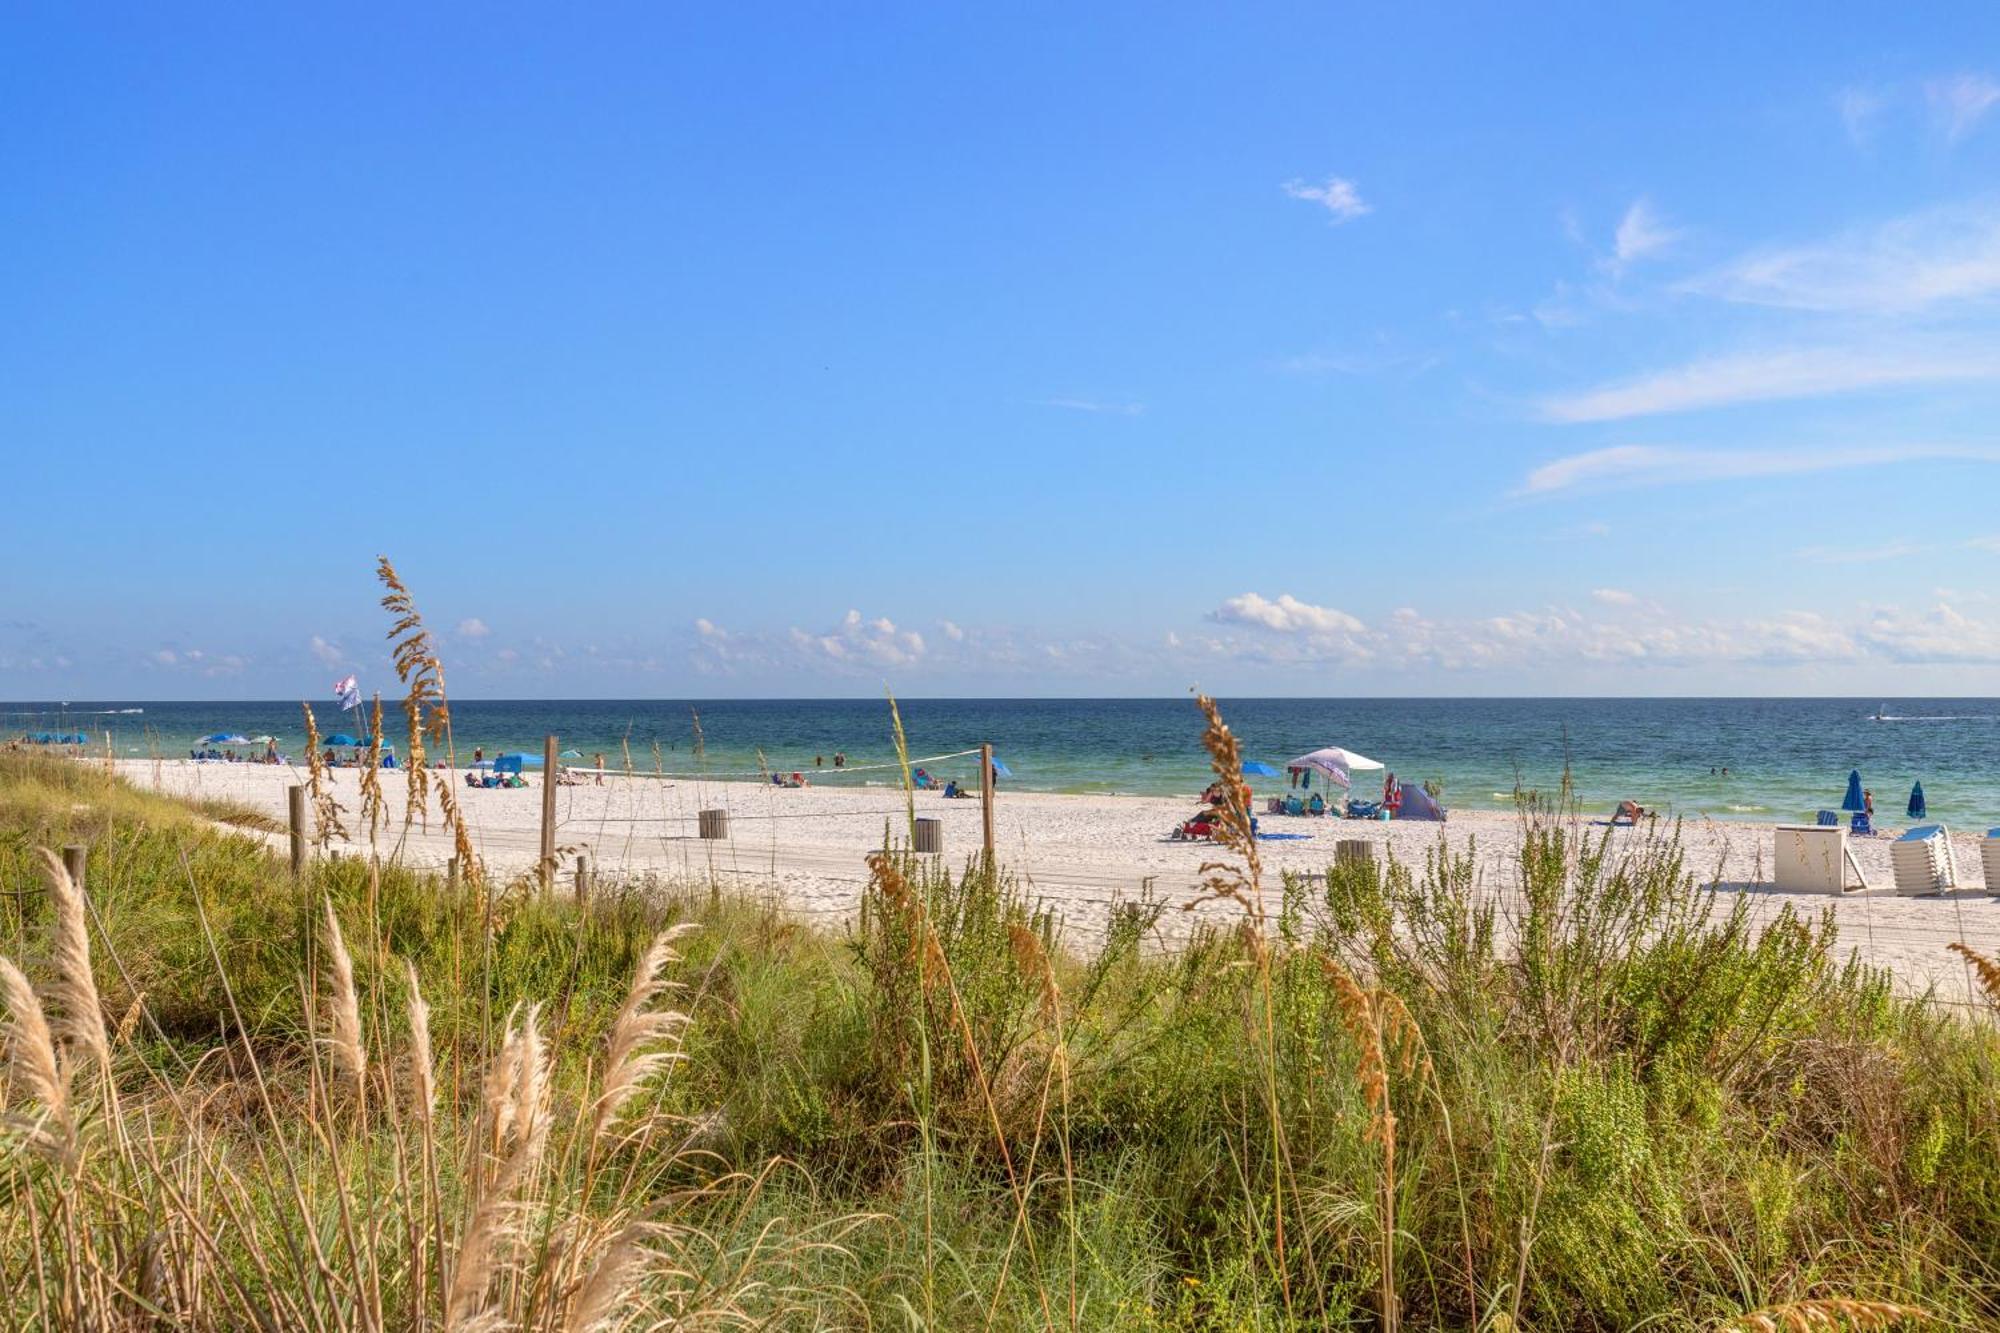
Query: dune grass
[{"x": 1353, "y": 1110}]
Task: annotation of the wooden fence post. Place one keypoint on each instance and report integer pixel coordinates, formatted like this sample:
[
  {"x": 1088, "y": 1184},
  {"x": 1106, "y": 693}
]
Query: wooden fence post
[
  {"x": 548, "y": 811},
  {"x": 582, "y": 878},
  {"x": 295, "y": 807},
  {"x": 986, "y": 800},
  {"x": 76, "y": 859}
]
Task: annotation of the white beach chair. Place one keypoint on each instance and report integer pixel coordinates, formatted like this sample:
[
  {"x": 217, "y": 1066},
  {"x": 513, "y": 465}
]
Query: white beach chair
[
  {"x": 1922, "y": 862},
  {"x": 1989, "y": 860}
]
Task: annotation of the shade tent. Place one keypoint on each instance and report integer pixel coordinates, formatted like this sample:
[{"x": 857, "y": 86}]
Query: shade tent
[
  {"x": 514, "y": 763},
  {"x": 1418, "y": 804},
  {"x": 339, "y": 738},
  {"x": 1001, "y": 770},
  {"x": 1336, "y": 763},
  {"x": 1257, "y": 768}
]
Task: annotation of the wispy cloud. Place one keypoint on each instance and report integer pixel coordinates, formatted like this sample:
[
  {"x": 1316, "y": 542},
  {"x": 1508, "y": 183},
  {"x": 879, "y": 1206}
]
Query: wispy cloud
[
  {"x": 1860, "y": 106},
  {"x": 1858, "y": 555},
  {"x": 1959, "y": 102},
  {"x": 1641, "y": 232},
  {"x": 1803, "y": 372},
  {"x": 1633, "y": 465},
  {"x": 1615, "y": 596},
  {"x": 1987, "y": 543},
  {"x": 1337, "y": 196},
  {"x": 1095, "y": 405},
  {"x": 1908, "y": 264}
]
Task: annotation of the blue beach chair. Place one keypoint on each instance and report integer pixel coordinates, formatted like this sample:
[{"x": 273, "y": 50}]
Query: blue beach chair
[{"x": 1829, "y": 819}]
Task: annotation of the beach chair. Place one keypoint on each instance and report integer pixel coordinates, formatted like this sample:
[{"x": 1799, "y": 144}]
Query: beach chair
[
  {"x": 1922, "y": 863},
  {"x": 1294, "y": 806},
  {"x": 1861, "y": 825},
  {"x": 1989, "y": 859},
  {"x": 1829, "y": 819}
]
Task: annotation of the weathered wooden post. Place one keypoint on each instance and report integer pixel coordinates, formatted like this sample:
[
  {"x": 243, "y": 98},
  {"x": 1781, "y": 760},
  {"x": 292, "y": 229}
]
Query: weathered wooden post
[
  {"x": 548, "y": 811},
  {"x": 295, "y": 808},
  {"x": 582, "y": 878},
  {"x": 986, "y": 800},
  {"x": 451, "y": 873},
  {"x": 76, "y": 859}
]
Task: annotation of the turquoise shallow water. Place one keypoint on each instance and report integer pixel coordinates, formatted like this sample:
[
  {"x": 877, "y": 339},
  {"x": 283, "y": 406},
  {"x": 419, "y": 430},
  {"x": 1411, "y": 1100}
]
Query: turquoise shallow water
[{"x": 1786, "y": 757}]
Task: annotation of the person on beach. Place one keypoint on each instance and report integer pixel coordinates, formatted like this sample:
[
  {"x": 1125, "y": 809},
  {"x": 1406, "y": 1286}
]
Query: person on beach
[
  {"x": 1868, "y": 804},
  {"x": 1628, "y": 812},
  {"x": 478, "y": 753},
  {"x": 818, "y": 760},
  {"x": 598, "y": 760}
]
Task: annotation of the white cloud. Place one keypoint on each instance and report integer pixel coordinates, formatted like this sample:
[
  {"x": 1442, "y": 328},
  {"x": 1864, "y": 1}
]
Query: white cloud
[
  {"x": 1641, "y": 232},
  {"x": 1960, "y": 102},
  {"x": 1858, "y": 555},
  {"x": 1338, "y": 197},
  {"x": 1096, "y": 405},
  {"x": 859, "y": 642},
  {"x": 1766, "y": 376},
  {"x": 952, "y": 631},
  {"x": 1988, "y": 543},
  {"x": 1628, "y": 465},
  {"x": 472, "y": 627},
  {"x": 327, "y": 651},
  {"x": 1615, "y": 596},
  {"x": 1907, "y": 264},
  {"x": 166, "y": 657},
  {"x": 1286, "y": 615}
]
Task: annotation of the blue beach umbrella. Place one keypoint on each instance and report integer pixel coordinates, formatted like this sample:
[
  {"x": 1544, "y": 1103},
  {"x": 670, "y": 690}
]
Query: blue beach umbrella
[
  {"x": 1001, "y": 770},
  {"x": 1257, "y": 768},
  {"x": 1853, "y": 801},
  {"x": 514, "y": 763},
  {"x": 339, "y": 738},
  {"x": 1917, "y": 801}
]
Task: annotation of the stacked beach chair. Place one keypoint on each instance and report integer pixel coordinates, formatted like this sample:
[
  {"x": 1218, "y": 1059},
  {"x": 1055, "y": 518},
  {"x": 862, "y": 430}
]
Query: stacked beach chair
[
  {"x": 1989, "y": 860},
  {"x": 1922, "y": 863}
]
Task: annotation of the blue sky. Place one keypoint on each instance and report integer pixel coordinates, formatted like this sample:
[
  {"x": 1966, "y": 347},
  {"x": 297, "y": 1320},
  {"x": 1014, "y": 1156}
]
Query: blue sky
[{"x": 1045, "y": 350}]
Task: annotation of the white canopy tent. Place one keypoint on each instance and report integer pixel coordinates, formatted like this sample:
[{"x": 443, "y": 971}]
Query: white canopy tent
[{"x": 1336, "y": 763}]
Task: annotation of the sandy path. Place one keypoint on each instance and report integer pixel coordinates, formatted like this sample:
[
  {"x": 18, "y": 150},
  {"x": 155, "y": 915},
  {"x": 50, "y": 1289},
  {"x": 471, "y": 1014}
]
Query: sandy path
[{"x": 1081, "y": 853}]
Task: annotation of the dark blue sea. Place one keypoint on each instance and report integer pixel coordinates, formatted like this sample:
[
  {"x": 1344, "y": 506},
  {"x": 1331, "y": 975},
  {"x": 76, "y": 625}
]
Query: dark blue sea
[{"x": 1784, "y": 758}]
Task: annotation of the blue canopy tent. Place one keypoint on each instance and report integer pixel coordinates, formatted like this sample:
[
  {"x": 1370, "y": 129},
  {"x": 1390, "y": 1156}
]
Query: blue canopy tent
[
  {"x": 514, "y": 763},
  {"x": 1853, "y": 800},
  {"x": 1257, "y": 768},
  {"x": 339, "y": 738},
  {"x": 1917, "y": 801}
]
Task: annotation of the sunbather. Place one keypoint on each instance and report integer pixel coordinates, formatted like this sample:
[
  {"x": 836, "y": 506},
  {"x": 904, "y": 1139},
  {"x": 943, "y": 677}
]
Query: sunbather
[{"x": 1629, "y": 812}]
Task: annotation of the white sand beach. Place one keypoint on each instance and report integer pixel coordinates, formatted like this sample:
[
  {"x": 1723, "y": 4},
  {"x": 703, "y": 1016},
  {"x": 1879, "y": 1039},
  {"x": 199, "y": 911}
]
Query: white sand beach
[{"x": 806, "y": 847}]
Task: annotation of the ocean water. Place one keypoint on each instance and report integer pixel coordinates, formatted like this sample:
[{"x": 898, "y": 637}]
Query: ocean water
[{"x": 1785, "y": 758}]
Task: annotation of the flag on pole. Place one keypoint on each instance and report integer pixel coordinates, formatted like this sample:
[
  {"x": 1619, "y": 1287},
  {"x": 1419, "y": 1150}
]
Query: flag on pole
[{"x": 347, "y": 692}]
